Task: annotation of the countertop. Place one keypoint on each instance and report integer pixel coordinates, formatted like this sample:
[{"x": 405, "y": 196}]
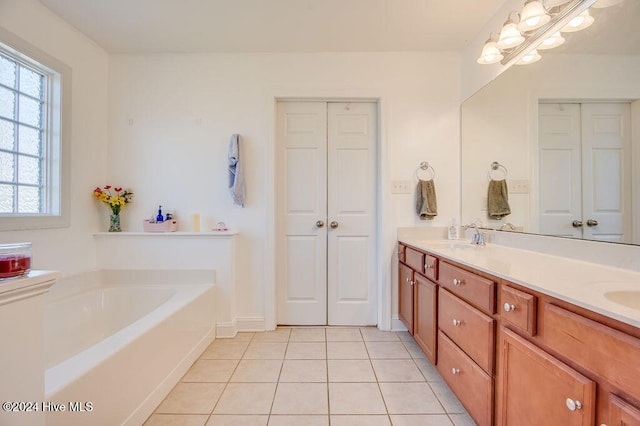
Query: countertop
[{"x": 609, "y": 291}]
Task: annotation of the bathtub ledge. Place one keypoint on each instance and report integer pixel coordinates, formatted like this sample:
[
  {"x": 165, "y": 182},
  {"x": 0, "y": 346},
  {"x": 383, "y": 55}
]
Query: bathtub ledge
[
  {"x": 208, "y": 234},
  {"x": 35, "y": 283}
]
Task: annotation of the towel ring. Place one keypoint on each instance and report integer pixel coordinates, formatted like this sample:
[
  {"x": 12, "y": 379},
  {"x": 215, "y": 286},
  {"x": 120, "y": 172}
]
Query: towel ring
[
  {"x": 499, "y": 168},
  {"x": 423, "y": 171}
]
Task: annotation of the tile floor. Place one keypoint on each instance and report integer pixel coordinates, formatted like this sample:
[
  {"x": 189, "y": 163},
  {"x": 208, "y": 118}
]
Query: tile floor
[{"x": 312, "y": 376}]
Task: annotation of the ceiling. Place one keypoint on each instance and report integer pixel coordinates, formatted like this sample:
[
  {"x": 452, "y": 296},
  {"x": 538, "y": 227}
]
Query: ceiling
[{"x": 153, "y": 26}]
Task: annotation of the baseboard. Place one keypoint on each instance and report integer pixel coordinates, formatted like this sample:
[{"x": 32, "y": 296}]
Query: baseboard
[
  {"x": 251, "y": 324},
  {"x": 397, "y": 325},
  {"x": 226, "y": 330}
]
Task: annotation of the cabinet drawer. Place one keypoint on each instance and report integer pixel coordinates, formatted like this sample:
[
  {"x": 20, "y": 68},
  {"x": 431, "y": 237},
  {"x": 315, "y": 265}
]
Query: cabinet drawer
[
  {"x": 597, "y": 348},
  {"x": 469, "y": 328},
  {"x": 431, "y": 267},
  {"x": 518, "y": 309},
  {"x": 472, "y": 386},
  {"x": 415, "y": 259},
  {"x": 401, "y": 252},
  {"x": 469, "y": 286}
]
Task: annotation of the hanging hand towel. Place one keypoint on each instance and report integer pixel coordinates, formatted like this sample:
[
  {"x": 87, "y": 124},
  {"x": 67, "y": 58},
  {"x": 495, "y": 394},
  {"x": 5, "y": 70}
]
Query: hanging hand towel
[
  {"x": 498, "y": 199},
  {"x": 426, "y": 203},
  {"x": 236, "y": 175}
]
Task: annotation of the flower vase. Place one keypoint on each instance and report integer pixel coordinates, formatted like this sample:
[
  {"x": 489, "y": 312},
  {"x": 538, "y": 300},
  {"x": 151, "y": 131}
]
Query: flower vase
[{"x": 114, "y": 223}]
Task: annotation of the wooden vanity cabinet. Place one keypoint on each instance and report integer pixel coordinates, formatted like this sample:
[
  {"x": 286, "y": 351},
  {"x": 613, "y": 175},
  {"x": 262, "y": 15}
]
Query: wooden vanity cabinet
[
  {"x": 417, "y": 295},
  {"x": 514, "y": 356}
]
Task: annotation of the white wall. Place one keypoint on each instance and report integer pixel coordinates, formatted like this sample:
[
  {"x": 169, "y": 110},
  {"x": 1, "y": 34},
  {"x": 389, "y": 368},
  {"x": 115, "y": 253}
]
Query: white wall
[
  {"x": 171, "y": 117},
  {"x": 68, "y": 249}
]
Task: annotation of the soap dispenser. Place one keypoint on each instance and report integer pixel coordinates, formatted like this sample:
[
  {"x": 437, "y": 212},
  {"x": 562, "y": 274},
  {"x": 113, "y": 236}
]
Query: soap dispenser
[
  {"x": 159, "y": 217},
  {"x": 452, "y": 230}
]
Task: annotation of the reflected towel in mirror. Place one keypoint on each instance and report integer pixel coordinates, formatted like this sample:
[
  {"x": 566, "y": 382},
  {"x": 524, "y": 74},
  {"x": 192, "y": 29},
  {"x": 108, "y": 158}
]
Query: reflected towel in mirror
[
  {"x": 498, "y": 199},
  {"x": 426, "y": 203}
]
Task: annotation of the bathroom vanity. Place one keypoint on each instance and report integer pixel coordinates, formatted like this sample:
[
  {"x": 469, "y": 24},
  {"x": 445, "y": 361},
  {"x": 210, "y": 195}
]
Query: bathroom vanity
[{"x": 523, "y": 337}]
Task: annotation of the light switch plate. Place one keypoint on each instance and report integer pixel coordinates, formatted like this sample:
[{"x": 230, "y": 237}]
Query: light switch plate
[
  {"x": 519, "y": 186},
  {"x": 401, "y": 187}
]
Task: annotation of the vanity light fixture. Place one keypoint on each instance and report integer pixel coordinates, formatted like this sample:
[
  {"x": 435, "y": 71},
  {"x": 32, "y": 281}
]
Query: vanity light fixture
[
  {"x": 533, "y": 16},
  {"x": 510, "y": 36},
  {"x": 578, "y": 23},
  {"x": 529, "y": 58},
  {"x": 555, "y": 40},
  {"x": 538, "y": 27},
  {"x": 490, "y": 52}
]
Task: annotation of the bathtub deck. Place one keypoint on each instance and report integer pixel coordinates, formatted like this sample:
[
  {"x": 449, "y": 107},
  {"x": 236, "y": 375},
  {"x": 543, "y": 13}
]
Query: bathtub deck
[{"x": 311, "y": 376}]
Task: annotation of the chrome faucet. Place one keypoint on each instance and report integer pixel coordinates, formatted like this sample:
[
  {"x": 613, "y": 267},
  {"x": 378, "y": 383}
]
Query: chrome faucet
[
  {"x": 509, "y": 226},
  {"x": 477, "y": 238}
]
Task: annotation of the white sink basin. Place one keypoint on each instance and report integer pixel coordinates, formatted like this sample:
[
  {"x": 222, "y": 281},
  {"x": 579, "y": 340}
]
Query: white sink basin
[
  {"x": 628, "y": 298},
  {"x": 453, "y": 244}
]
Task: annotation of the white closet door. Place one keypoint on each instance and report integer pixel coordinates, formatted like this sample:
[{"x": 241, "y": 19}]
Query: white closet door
[
  {"x": 560, "y": 176},
  {"x": 606, "y": 165},
  {"x": 301, "y": 132},
  {"x": 326, "y": 205},
  {"x": 352, "y": 292}
]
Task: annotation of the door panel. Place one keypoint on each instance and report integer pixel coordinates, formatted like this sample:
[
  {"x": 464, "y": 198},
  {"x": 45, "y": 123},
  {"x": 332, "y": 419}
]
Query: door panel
[
  {"x": 351, "y": 184},
  {"x": 559, "y": 145},
  {"x": 301, "y": 185},
  {"x": 606, "y": 147}
]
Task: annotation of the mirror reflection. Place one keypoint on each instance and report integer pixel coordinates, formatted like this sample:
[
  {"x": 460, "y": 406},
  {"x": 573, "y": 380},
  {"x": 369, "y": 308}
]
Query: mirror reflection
[{"x": 565, "y": 132}]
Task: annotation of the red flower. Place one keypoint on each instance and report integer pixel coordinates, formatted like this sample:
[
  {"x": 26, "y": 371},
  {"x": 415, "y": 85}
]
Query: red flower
[
  {"x": 117, "y": 189},
  {"x": 107, "y": 187},
  {"x": 98, "y": 190}
]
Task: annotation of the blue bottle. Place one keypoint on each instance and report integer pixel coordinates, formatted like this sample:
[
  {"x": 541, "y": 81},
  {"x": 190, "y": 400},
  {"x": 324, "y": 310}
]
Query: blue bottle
[{"x": 159, "y": 218}]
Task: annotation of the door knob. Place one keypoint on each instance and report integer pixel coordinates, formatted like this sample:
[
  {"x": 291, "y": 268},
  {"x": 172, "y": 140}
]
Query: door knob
[
  {"x": 592, "y": 222},
  {"x": 333, "y": 224},
  {"x": 576, "y": 223},
  {"x": 319, "y": 224}
]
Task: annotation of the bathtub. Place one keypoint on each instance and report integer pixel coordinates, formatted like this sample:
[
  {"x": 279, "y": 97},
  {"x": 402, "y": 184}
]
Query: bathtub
[{"x": 116, "y": 342}]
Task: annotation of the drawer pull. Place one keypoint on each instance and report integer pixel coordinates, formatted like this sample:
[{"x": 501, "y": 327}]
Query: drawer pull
[
  {"x": 428, "y": 266},
  {"x": 456, "y": 322},
  {"x": 509, "y": 307},
  {"x": 455, "y": 371},
  {"x": 457, "y": 281},
  {"x": 573, "y": 405},
  {"x": 412, "y": 282}
]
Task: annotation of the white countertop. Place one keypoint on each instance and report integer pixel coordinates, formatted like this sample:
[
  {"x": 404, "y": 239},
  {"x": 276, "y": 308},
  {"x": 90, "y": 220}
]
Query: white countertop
[{"x": 585, "y": 284}]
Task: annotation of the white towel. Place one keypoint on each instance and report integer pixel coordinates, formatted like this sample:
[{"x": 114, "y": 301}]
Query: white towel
[{"x": 236, "y": 175}]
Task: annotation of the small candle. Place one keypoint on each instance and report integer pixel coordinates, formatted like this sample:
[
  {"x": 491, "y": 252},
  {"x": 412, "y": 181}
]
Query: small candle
[{"x": 195, "y": 222}]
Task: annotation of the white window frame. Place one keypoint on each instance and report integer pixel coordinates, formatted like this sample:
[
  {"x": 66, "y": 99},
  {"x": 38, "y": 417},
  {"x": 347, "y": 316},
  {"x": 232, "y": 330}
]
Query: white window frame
[{"x": 56, "y": 137}]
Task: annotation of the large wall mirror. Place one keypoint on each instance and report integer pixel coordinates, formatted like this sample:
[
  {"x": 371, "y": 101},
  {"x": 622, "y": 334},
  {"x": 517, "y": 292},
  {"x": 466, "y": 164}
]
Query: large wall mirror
[{"x": 564, "y": 133}]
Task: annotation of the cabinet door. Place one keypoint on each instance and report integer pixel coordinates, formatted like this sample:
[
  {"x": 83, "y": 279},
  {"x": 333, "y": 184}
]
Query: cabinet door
[
  {"x": 424, "y": 324},
  {"x": 538, "y": 389},
  {"x": 405, "y": 296}
]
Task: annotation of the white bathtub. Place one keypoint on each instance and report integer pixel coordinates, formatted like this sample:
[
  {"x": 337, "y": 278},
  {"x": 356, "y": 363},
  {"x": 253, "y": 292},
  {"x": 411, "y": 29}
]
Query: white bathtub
[{"x": 117, "y": 341}]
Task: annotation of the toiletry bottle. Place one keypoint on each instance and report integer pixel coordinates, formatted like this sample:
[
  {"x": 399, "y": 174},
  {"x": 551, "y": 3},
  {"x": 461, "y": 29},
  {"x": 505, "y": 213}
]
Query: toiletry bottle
[
  {"x": 452, "y": 230},
  {"x": 159, "y": 218}
]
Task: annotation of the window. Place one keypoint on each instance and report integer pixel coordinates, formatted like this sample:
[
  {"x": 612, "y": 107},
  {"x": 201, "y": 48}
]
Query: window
[{"x": 33, "y": 125}]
